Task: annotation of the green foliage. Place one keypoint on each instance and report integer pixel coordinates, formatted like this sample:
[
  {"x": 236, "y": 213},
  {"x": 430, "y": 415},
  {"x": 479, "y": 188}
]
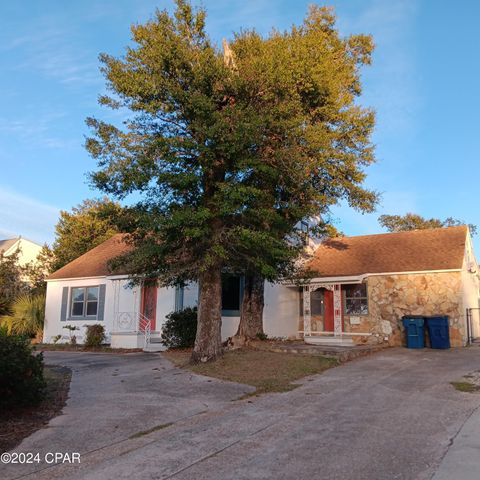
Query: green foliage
[
  {"x": 56, "y": 338},
  {"x": 262, "y": 336},
  {"x": 71, "y": 329},
  {"x": 27, "y": 315},
  {"x": 12, "y": 280},
  {"x": 412, "y": 221},
  {"x": 95, "y": 335},
  {"x": 37, "y": 271},
  {"x": 5, "y": 308},
  {"x": 180, "y": 328},
  {"x": 21, "y": 372},
  {"x": 86, "y": 226},
  {"x": 229, "y": 152}
]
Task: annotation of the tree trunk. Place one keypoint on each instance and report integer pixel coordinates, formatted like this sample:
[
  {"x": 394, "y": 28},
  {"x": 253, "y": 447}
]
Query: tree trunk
[
  {"x": 251, "y": 312},
  {"x": 208, "y": 341}
]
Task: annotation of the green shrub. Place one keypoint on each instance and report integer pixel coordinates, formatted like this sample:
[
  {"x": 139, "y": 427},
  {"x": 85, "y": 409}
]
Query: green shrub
[
  {"x": 21, "y": 372},
  {"x": 95, "y": 335},
  {"x": 180, "y": 328}
]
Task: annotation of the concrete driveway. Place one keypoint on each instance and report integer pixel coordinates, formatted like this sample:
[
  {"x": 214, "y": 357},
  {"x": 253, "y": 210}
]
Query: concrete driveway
[{"x": 392, "y": 415}]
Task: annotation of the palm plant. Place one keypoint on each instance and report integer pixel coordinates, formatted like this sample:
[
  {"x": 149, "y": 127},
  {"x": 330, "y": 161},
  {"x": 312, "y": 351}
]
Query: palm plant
[
  {"x": 4, "y": 307},
  {"x": 27, "y": 317}
]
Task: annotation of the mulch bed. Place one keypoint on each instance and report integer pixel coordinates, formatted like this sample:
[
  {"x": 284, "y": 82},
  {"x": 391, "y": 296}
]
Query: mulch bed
[
  {"x": 65, "y": 347},
  {"x": 19, "y": 423}
]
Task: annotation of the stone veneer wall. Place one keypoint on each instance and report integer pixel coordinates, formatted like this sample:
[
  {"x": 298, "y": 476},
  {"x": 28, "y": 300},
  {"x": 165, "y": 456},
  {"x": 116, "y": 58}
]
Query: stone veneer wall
[{"x": 390, "y": 297}]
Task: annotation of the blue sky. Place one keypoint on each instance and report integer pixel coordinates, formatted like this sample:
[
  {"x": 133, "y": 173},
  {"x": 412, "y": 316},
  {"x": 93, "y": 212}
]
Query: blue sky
[{"x": 423, "y": 85}]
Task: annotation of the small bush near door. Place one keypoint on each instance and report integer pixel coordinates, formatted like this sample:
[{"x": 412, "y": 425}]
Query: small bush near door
[
  {"x": 95, "y": 335},
  {"x": 21, "y": 372},
  {"x": 180, "y": 328}
]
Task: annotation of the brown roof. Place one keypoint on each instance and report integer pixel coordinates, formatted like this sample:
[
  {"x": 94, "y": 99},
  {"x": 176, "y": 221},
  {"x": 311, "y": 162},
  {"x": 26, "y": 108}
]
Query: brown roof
[
  {"x": 94, "y": 263},
  {"x": 418, "y": 250},
  {"x": 413, "y": 251},
  {"x": 6, "y": 244}
]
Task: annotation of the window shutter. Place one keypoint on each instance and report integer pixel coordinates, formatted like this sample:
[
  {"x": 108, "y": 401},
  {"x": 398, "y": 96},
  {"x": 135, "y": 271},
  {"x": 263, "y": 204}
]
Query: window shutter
[
  {"x": 178, "y": 298},
  {"x": 63, "y": 311},
  {"x": 101, "y": 302}
]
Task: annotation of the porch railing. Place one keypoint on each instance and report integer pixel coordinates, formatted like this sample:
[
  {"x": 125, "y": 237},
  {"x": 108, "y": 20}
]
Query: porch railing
[{"x": 133, "y": 322}]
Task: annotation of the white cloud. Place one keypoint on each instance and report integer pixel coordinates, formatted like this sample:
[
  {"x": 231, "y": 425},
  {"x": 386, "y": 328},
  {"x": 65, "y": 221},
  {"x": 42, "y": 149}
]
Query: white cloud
[
  {"x": 25, "y": 216},
  {"x": 37, "y": 130},
  {"x": 54, "y": 52}
]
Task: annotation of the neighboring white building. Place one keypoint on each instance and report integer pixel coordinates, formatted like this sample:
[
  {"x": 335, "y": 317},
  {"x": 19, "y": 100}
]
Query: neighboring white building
[
  {"x": 362, "y": 288},
  {"x": 28, "y": 250}
]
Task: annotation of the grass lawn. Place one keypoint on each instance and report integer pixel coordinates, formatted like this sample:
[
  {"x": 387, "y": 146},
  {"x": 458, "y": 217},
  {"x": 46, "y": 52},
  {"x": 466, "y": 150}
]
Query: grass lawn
[
  {"x": 469, "y": 383},
  {"x": 465, "y": 387},
  {"x": 19, "y": 423},
  {"x": 267, "y": 371}
]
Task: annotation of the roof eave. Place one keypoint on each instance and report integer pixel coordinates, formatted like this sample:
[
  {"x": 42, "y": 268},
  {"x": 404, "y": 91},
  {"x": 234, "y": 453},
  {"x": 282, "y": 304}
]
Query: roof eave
[{"x": 361, "y": 277}]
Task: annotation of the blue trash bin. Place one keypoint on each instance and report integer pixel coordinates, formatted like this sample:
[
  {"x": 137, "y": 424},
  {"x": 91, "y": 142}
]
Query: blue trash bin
[
  {"x": 414, "y": 331},
  {"x": 438, "y": 331}
]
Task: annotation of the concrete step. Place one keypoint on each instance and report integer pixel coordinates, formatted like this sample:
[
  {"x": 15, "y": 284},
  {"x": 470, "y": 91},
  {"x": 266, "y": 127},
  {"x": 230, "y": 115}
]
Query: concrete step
[
  {"x": 155, "y": 347},
  {"x": 321, "y": 340},
  {"x": 155, "y": 339}
]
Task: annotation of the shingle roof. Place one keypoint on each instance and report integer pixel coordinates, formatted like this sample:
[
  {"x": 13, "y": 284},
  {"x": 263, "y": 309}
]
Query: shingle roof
[
  {"x": 418, "y": 250},
  {"x": 413, "y": 251},
  {"x": 6, "y": 244},
  {"x": 94, "y": 263}
]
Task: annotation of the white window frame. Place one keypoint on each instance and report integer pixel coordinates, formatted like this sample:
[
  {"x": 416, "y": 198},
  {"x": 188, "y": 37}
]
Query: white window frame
[{"x": 345, "y": 297}]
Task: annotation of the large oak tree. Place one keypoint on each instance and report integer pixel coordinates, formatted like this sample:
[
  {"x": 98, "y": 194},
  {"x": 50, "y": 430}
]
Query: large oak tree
[{"x": 228, "y": 156}]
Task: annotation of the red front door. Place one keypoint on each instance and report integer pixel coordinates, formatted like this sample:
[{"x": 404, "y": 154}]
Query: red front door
[
  {"x": 148, "y": 306},
  {"x": 328, "y": 320}
]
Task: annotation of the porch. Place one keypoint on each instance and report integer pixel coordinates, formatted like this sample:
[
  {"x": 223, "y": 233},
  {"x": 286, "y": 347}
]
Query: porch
[
  {"x": 136, "y": 328},
  {"x": 324, "y": 306}
]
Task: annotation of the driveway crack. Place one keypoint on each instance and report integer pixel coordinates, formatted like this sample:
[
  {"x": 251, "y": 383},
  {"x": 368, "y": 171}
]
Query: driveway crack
[
  {"x": 452, "y": 439},
  {"x": 220, "y": 450}
]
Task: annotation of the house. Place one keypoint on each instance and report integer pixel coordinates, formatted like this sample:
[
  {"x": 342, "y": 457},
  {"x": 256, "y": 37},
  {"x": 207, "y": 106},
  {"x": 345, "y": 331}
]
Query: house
[
  {"x": 84, "y": 292},
  {"x": 356, "y": 291},
  {"x": 28, "y": 250},
  {"x": 364, "y": 285}
]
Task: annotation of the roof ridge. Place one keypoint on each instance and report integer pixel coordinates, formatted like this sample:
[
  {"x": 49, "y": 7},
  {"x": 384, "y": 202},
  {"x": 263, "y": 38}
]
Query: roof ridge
[{"x": 418, "y": 230}]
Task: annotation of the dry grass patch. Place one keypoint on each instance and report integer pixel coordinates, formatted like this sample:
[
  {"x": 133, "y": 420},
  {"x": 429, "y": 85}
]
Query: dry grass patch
[
  {"x": 267, "y": 371},
  {"x": 465, "y": 387},
  {"x": 469, "y": 383}
]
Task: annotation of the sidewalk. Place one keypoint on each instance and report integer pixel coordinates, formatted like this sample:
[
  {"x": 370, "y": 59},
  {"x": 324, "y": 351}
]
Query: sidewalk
[{"x": 462, "y": 460}]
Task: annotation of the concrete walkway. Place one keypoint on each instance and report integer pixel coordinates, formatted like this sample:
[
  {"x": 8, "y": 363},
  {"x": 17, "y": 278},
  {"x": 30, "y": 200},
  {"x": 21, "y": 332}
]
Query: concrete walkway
[
  {"x": 462, "y": 460},
  {"x": 392, "y": 415}
]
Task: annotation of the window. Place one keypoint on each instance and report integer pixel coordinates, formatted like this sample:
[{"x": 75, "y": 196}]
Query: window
[
  {"x": 356, "y": 299},
  {"x": 84, "y": 302},
  {"x": 316, "y": 302},
  {"x": 232, "y": 293}
]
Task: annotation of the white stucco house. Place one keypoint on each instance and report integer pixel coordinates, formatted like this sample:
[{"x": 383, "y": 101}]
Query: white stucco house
[
  {"x": 84, "y": 292},
  {"x": 361, "y": 288},
  {"x": 28, "y": 250}
]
